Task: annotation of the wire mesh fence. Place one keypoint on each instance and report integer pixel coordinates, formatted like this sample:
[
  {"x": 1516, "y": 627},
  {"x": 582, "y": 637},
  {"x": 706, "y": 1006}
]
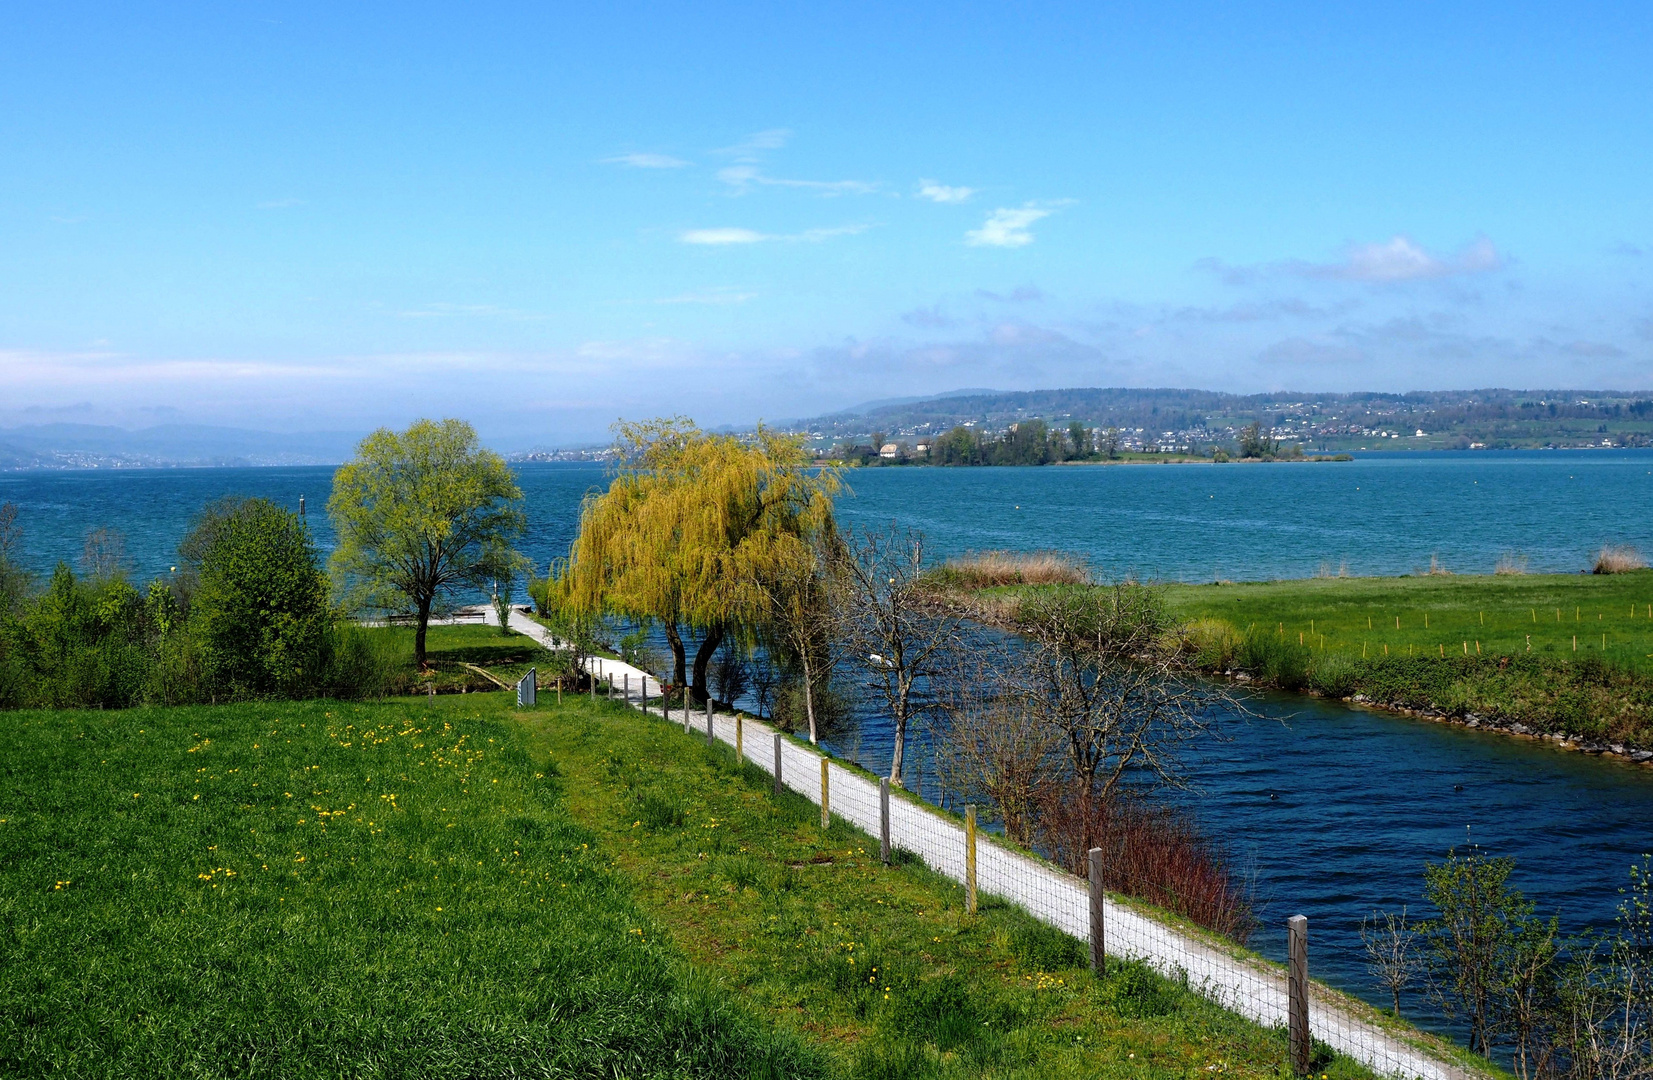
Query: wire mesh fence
[{"x": 1218, "y": 970}]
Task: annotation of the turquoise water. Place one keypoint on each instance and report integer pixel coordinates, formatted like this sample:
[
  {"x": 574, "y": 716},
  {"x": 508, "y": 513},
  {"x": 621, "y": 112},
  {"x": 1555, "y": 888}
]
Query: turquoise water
[
  {"x": 1378, "y": 514},
  {"x": 1364, "y": 798}
]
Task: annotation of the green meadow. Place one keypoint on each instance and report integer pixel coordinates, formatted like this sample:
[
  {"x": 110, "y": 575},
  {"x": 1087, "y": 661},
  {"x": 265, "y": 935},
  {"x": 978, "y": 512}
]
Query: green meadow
[
  {"x": 1609, "y": 616},
  {"x": 448, "y": 886}
]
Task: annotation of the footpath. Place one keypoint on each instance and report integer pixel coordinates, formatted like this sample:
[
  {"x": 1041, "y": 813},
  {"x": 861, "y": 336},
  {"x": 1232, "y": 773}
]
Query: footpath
[{"x": 1223, "y": 973}]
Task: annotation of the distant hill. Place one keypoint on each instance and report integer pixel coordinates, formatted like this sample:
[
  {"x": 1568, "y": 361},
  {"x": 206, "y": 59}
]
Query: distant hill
[
  {"x": 1494, "y": 418},
  {"x": 71, "y": 446}
]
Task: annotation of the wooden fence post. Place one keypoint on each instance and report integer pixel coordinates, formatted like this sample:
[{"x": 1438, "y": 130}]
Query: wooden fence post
[
  {"x": 777, "y": 763},
  {"x": 970, "y": 859},
  {"x": 591, "y": 674},
  {"x": 884, "y": 819},
  {"x": 826, "y": 798},
  {"x": 685, "y": 710},
  {"x": 1297, "y": 993},
  {"x": 740, "y": 734},
  {"x": 1099, "y": 952},
  {"x": 709, "y": 736}
]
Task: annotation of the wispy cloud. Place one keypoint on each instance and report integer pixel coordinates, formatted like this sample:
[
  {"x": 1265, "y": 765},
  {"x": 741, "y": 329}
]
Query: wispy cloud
[
  {"x": 280, "y": 204},
  {"x": 930, "y": 318},
  {"x": 1397, "y": 259},
  {"x": 742, "y": 178},
  {"x": 718, "y": 237},
  {"x": 474, "y": 311},
  {"x": 1021, "y": 294},
  {"x": 646, "y": 161},
  {"x": 1007, "y": 227},
  {"x": 757, "y": 142},
  {"x": 941, "y": 193},
  {"x": 720, "y": 295},
  {"x": 1301, "y": 350}
]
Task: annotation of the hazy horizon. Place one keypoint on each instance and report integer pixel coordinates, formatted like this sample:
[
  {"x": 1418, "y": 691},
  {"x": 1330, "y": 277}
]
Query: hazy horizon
[{"x": 318, "y": 219}]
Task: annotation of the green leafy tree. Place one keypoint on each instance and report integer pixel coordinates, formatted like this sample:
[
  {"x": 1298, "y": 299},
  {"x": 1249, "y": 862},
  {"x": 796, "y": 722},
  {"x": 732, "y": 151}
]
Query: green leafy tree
[
  {"x": 691, "y": 528},
  {"x": 1254, "y": 443},
  {"x": 260, "y": 611},
  {"x": 1080, "y": 437},
  {"x": 1490, "y": 959},
  {"x": 421, "y": 514}
]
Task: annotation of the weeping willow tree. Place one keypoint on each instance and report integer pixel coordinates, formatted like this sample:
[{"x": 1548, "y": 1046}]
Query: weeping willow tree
[{"x": 694, "y": 531}]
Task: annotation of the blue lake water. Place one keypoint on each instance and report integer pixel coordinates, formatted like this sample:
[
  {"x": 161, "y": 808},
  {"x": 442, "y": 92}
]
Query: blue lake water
[{"x": 1365, "y": 798}]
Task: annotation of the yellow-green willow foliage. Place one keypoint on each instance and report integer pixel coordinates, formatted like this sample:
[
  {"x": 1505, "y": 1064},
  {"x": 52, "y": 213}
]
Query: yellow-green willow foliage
[{"x": 692, "y": 528}]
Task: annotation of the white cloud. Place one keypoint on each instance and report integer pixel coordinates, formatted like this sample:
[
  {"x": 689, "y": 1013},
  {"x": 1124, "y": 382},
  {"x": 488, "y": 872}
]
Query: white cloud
[
  {"x": 1401, "y": 259},
  {"x": 1006, "y": 228},
  {"x": 751, "y": 236},
  {"x": 722, "y": 236},
  {"x": 941, "y": 193},
  {"x": 770, "y": 139},
  {"x": 743, "y": 177},
  {"x": 646, "y": 161}
]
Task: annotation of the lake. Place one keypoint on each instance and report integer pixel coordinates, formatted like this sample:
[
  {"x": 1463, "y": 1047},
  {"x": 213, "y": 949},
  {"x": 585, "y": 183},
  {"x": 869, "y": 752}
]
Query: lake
[{"x": 1364, "y": 798}]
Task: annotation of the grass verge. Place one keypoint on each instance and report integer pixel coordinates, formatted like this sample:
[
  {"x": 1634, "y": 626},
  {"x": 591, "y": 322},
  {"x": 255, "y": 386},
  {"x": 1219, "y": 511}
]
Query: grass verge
[
  {"x": 879, "y": 965},
  {"x": 321, "y": 889}
]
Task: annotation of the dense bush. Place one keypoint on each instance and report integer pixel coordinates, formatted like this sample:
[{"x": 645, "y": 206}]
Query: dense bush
[
  {"x": 246, "y": 617},
  {"x": 261, "y": 613}
]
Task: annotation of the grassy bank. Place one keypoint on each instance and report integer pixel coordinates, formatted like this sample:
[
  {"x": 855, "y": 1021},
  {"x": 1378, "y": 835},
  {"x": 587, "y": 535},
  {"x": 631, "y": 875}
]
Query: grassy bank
[
  {"x": 1568, "y": 656},
  {"x": 1562, "y": 655},
  {"x": 878, "y": 965},
  {"x": 325, "y": 889},
  {"x": 450, "y": 887}
]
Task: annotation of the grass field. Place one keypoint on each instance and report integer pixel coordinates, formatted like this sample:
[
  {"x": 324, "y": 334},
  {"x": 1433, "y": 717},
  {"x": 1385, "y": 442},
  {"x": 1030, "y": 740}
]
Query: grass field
[
  {"x": 1610, "y": 616},
  {"x": 319, "y": 889},
  {"x": 449, "y": 887},
  {"x": 1565, "y": 655}
]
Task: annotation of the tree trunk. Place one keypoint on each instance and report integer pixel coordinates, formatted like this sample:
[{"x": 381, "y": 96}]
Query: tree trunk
[
  {"x": 900, "y": 746},
  {"x": 676, "y": 641},
  {"x": 702, "y": 658},
  {"x": 809, "y": 698},
  {"x": 419, "y": 634}
]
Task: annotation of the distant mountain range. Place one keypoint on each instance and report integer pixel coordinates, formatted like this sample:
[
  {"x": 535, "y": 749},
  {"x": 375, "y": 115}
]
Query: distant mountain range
[
  {"x": 89, "y": 446},
  {"x": 1493, "y": 418}
]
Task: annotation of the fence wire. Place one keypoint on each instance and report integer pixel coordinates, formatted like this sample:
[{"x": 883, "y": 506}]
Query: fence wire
[{"x": 1222, "y": 973}]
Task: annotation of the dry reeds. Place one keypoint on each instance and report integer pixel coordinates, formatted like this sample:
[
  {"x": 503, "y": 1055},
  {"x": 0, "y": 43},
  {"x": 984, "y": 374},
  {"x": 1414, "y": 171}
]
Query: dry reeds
[
  {"x": 1437, "y": 568},
  {"x": 1618, "y": 559},
  {"x": 987, "y": 569},
  {"x": 1510, "y": 564},
  {"x": 1151, "y": 851}
]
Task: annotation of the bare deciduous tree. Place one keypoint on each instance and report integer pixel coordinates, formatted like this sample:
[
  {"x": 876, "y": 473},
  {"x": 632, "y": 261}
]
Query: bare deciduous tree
[
  {"x": 1389, "y": 941},
  {"x": 104, "y": 554},
  {"x": 1095, "y": 671},
  {"x": 904, "y": 642},
  {"x": 988, "y": 745}
]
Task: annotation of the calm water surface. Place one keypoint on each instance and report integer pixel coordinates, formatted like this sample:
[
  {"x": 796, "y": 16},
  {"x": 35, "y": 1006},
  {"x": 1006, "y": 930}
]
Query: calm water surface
[{"x": 1364, "y": 799}]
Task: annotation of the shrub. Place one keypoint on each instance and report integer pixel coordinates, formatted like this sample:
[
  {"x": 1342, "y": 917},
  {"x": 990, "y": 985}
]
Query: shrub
[
  {"x": 261, "y": 612},
  {"x": 1149, "y": 850},
  {"x": 1618, "y": 559}
]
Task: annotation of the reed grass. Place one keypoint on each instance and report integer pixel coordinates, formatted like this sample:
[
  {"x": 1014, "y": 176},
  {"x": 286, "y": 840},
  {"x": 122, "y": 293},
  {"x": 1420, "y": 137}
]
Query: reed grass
[
  {"x": 993, "y": 569},
  {"x": 1617, "y": 559},
  {"x": 1510, "y": 564}
]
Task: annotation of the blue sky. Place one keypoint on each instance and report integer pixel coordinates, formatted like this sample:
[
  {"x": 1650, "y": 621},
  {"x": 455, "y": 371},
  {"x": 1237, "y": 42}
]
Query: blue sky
[{"x": 542, "y": 218}]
